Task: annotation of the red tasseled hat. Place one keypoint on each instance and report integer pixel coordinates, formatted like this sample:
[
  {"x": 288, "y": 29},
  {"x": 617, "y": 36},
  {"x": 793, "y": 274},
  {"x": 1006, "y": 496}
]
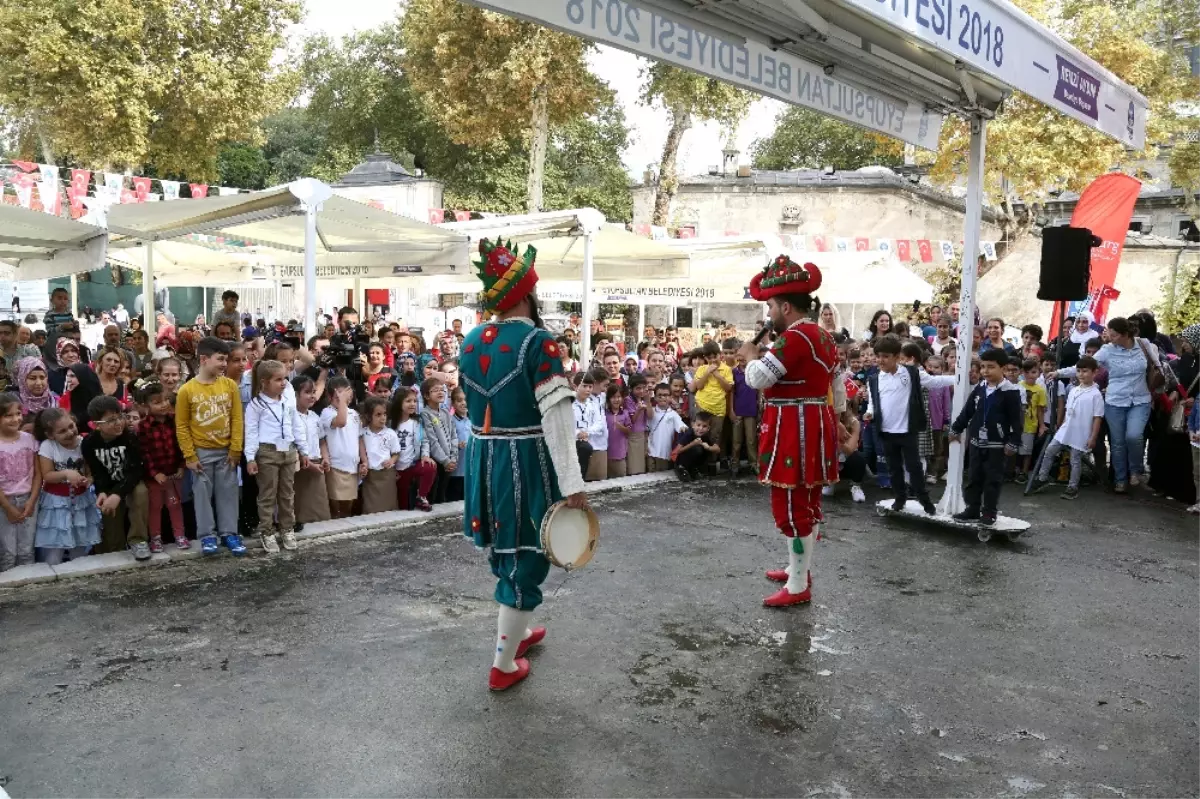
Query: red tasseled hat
[{"x": 785, "y": 276}]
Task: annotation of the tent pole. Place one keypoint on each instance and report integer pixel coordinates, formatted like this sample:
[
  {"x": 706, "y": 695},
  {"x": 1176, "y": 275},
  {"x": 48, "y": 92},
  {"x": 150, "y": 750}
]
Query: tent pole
[
  {"x": 74, "y": 295},
  {"x": 641, "y": 321},
  {"x": 586, "y": 333},
  {"x": 204, "y": 301},
  {"x": 952, "y": 501},
  {"x": 310, "y": 267},
  {"x": 148, "y": 291}
]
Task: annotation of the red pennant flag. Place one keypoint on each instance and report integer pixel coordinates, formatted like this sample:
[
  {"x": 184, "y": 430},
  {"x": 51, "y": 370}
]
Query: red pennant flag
[
  {"x": 437, "y": 216},
  {"x": 198, "y": 190},
  {"x": 821, "y": 243},
  {"x": 21, "y": 180},
  {"x": 26, "y": 166},
  {"x": 687, "y": 232},
  {"x": 79, "y": 181},
  {"x": 462, "y": 216},
  {"x": 925, "y": 249},
  {"x": 642, "y": 229},
  {"x": 903, "y": 251},
  {"x": 141, "y": 187},
  {"x": 128, "y": 197},
  {"x": 862, "y": 245}
]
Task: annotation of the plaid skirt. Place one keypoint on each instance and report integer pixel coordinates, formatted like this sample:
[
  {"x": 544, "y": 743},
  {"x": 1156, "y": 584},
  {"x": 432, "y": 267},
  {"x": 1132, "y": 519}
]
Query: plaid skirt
[{"x": 925, "y": 440}]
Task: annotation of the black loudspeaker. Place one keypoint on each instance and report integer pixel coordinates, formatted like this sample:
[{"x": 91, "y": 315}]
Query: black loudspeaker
[{"x": 1066, "y": 263}]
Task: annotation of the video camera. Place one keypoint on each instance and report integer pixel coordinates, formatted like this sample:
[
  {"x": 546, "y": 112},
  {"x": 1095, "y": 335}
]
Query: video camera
[{"x": 344, "y": 349}]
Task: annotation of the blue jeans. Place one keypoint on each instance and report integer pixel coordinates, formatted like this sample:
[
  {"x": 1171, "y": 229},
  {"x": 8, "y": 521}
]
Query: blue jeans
[{"x": 1127, "y": 432}]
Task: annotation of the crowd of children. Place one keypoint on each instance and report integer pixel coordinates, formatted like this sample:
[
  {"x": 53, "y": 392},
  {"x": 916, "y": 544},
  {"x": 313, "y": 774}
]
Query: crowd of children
[{"x": 225, "y": 439}]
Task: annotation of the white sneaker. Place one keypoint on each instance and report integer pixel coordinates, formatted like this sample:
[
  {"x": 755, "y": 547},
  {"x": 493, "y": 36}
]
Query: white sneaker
[
  {"x": 269, "y": 543},
  {"x": 827, "y": 491},
  {"x": 1135, "y": 480},
  {"x": 856, "y": 494},
  {"x": 289, "y": 540},
  {"x": 1195, "y": 509}
]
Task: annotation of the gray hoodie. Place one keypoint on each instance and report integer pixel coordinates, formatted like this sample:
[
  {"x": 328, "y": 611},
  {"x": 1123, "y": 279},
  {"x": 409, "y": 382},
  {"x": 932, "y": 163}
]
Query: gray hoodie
[{"x": 441, "y": 433}]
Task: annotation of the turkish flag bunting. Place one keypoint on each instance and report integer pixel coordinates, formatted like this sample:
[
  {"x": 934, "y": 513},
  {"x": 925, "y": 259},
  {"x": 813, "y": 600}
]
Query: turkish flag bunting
[
  {"x": 141, "y": 187},
  {"x": 79, "y": 181},
  {"x": 903, "y": 250},
  {"x": 198, "y": 190},
  {"x": 462, "y": 216},
  {"x": 821, "y": 243},
  {"x": 128, "y": 197},
  {"x": 862, "y": 245},
  {"x": 437, "y": 216},
  {"x": 642, "y": 229},
  {"x": 925, "y": 249},
  {"x": 25, "y": 166}
]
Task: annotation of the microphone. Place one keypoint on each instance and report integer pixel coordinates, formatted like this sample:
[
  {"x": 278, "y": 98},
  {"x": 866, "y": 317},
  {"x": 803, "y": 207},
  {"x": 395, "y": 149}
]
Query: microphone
[{"x": 767, "y": 329}]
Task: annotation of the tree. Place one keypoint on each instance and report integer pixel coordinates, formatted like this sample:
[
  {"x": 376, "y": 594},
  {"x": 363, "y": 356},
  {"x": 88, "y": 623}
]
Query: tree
[
  {"x": 805, "y": 139},
  {"x": 687, "y": 97},
  {"x": 243, "y": 165},
  {"x": 1033, "y": 150},
  {"x": 123, "y": 83},
  {"x": 482, "y": 75}
]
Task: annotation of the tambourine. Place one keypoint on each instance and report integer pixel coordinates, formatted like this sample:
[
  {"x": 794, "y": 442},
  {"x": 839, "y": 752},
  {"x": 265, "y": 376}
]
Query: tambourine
[{"x": 569, "y": 535}]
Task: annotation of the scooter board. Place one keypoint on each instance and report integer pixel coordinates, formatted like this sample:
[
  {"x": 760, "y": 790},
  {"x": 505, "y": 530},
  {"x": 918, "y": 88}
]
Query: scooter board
[{"x": 1005, "y": 526}]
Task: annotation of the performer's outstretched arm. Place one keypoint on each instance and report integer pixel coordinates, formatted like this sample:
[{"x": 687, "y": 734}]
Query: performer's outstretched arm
[
  {"x": 558, "y": 423},
  {"x": 762, "y": 372}
]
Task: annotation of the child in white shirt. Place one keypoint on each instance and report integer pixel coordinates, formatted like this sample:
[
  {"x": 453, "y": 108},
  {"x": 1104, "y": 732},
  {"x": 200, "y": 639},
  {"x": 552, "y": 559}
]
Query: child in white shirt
[
  {"x": 274, "y": 440},
  {"x": 343, "y": 429},
  {"x": 1079, "y": 430},
  {"x": 379, "y": 449},
  {"x": 312, "y": 497},
  {"x": 664, "y": 424},
  {"x": 591, "y": 426}
]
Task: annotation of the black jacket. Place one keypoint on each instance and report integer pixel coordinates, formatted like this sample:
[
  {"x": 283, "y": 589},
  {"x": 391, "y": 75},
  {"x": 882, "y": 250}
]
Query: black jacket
[
  {"x": 917, "y": 422},
  {"x": 1001, "y": 413},
  {"x": 116, "y": 465}
]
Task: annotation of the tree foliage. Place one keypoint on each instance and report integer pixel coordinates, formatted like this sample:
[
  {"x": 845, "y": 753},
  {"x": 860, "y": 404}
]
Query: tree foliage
[
  {"x": 1179, "y": 305},
  {"x": 124, "y": 83},
  {"x": 687, "y": 97},
  {"x": 805, "y": 139},
  {"x": 483, "y": 76}
]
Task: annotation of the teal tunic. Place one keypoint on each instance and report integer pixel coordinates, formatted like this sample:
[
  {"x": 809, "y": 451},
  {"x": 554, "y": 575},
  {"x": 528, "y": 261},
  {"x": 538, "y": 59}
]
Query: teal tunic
[{"x": 510, "y": 479}]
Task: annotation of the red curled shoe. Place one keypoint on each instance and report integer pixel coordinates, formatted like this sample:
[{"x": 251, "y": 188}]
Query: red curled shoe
[
  {"x": 502, "y": 681},
  {"x": 783, "y": 599},
  {"x": 535, "y": 637},
  {"x": 777, "y": 575}
]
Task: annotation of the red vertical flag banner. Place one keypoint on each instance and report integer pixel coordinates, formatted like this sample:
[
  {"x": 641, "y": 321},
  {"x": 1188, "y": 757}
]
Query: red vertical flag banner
[
  {"x": 862, "y": 245},
  {"x": 79, "y": 181},
  {"x": 1105, "y": 208},
  {"x": 903, "y": 249},
  {"x": 198, "y": 190},
  {"x": 821, "y": 243},
  {"x": 925, "y": 248},
  {"x": 141, "y": 187},
  {"x": 462, "y": 216},
  {"x": 437, "y": 216}
]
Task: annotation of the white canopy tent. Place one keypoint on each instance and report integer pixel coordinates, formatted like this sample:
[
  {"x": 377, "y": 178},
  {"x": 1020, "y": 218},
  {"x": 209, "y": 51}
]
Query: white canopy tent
[
  {"x": 610, "y": 251},
  {"x": 41, "y": 246},
  {"x": 300, "y": 230},
  {"x": 892, "y": 68}
]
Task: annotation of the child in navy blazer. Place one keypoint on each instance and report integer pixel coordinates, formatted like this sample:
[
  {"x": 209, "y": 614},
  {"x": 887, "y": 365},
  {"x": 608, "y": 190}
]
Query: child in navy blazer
[{"x": 993, "y": 418}]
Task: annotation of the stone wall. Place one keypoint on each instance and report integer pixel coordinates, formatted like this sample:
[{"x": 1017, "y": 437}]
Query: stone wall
[{"x": 884, "y": 211}]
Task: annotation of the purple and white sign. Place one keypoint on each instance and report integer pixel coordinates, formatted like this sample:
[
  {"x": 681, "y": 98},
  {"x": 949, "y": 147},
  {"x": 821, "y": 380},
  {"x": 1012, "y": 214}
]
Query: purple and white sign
[{"x": 1077, "y": 88}]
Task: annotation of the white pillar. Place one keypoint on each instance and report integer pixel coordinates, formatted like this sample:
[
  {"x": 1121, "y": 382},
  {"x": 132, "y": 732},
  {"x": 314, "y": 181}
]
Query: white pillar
[
  {"x": 641, "y": 323},
  {"x": 74, "y": 296},
  {"x": 358, "y": 300},
  {"x": 204, "y": 304},
  {"x": 952, "y": 501},
  {"x": 586, "y": 333},
  {"x": 699, "y": 321},
  {"x": 148, "y": 291},
  {"x": 310, "y": 268}
]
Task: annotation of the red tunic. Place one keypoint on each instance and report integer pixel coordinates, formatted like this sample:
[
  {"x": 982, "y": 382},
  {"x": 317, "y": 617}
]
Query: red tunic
[{"x": 798, "y": 436}]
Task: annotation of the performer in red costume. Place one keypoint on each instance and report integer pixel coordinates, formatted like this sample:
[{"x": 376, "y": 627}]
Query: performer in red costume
[{"x": 798, "y": 439}]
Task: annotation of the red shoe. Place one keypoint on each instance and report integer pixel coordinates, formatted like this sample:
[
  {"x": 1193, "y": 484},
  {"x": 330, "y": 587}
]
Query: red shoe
[
  {"x": 423, "y": 504},
  {"x": 502, "y": 681},
  {"x": 535, "y": 637},
  {"x": 783, "y": 598},
  {"x": 777, "y": 575}
]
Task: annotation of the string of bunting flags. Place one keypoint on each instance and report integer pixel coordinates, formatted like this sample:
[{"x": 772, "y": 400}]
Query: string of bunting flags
[{"x": 45, "y": 187}]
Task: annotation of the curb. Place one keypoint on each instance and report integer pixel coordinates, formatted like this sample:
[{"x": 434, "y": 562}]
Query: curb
[{"x": 313, "y": 533}]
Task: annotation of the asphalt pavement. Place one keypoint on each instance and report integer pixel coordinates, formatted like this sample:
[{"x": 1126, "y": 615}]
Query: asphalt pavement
[{"x": 929, "y": 664}]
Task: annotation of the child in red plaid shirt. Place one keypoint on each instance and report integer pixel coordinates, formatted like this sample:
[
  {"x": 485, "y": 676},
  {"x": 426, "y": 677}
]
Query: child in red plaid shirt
[{"x": 163, "y": 460}]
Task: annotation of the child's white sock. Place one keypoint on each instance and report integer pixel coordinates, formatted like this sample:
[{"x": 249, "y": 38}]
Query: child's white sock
[
  {"x": 800, "y": 552},
  {"x": 511, "y": 628}
]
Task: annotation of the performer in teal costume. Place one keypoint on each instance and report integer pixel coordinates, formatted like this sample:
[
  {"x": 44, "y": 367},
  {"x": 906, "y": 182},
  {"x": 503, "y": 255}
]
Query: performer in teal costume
[{"x": 521, "y": 459}]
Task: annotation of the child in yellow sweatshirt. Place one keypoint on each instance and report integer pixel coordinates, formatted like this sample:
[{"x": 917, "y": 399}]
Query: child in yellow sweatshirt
[{"x": 208, "y": 425}]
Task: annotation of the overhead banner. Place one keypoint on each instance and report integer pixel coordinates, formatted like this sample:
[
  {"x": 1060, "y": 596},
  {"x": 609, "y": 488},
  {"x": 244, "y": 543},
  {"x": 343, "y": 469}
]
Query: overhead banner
[
  {"x": 758, "y": 66},
  {"x": 999, "y": 40},
  {"x": 1105, "y": 208}
]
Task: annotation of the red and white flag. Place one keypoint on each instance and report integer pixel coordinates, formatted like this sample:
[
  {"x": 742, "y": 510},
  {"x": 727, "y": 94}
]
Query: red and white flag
[
  {"x": 925, "y": 248},
  {"x": 862, "y": 245},
  {"x": 199, "y": 190},
  {"x": 821, "y": 243},
  {"x": 79, "y": 181},
  {"x": 437, "y": 216},
  {"x": 141, "y": 188},
  {"x": 462, "y": 216},
  {"x": 903, "y": 250}
]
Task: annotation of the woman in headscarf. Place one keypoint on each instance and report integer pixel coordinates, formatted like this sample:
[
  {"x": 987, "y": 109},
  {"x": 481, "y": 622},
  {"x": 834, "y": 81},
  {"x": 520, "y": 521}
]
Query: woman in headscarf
[
  {"x": 1081, "y": 333},
  {"x": 32, "y": 381},
  {"x": 85, "y": 387},
  {"x": 66, "y": 352},
  {"x": 1187, "y": 366}
]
